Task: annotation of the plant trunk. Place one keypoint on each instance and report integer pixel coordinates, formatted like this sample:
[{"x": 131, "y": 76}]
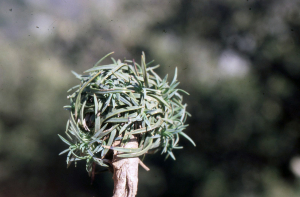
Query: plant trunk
[{"x": 126, "y": 173}]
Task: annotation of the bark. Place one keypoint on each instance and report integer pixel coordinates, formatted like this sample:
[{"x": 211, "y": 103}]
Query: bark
[{"x": 126, "y": 173}]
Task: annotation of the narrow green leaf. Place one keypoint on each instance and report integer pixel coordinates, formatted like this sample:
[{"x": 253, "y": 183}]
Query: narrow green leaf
[
  {"x": 76, "y": 75},
  {"x": 77, "y": 86},
  {"x": 149, "y": 62},
  {"x": 172, "y": 155},
  {"x": 159, "y": 98},
  {"x": 183, "y": 91},
  {"x": 144, "y": 129},
  {"x": 112, "y": 71},
  {"x": 187, "y": 137},
  {"x": 106, "y": 104},
  {"x": 156, "y": 144},
  {"x": 175, "y": 76},
  {"x": 153, "y": 111},
  {"x": 64, "y": 140},
  {"x": 81, "y": 112},
  {"x": 113, "y": 59},
  {"x": 107, "y": 131},
  {"x": 122, "y": 110},
  {"x": 145, "y": 74},
  {"x": 97, "y": 115},
  {"x": 125, "y": 101},
  {"x": 110, "y": 141},
  {"x": 62, "y": 152},
  {"x": 103, "y": 58},
  {"x": 80, "y": 91},
  {"x": 100, "y": 131}
]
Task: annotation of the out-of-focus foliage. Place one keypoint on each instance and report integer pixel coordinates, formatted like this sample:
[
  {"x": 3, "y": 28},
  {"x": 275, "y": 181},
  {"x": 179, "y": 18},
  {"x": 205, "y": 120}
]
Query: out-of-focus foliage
[{"x": 238, "y": 59}]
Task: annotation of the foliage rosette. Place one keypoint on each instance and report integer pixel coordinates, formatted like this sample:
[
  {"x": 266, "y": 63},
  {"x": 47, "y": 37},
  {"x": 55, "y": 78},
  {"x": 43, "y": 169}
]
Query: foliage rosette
[{"x": 117, "y": 101}]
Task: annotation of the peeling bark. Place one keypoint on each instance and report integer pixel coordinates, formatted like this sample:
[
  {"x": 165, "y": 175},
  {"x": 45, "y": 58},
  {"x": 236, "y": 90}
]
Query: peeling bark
[{"x": 126, "y": 173}]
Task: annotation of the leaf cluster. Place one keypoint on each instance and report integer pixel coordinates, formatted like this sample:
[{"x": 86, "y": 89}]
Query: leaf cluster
[{"x": 117, "y": 101}]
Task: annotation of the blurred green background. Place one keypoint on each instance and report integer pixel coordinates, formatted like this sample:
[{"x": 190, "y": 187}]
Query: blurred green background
[{"x": 239, "y": 59}]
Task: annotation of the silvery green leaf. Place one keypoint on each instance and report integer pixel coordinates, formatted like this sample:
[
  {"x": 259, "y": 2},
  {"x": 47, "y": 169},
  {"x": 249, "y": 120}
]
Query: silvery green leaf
[
  {"x": 62, "y": 152},
  {"x": 175, "y": 76},
  {"x": 172, "y": 155},
  {"x": 118, "y": 111},
  {"x": 187, "y": 137},
  {"x": 76, "y": 75},
  {"x": 100, "y": 131},
  {"x": 99, "y": 61},
  {"x": 77, "y": 86},
  {"x": 159, "y": 98},
  {"x": 64, "y": 140},
  {"x": 183, "y": 91}
]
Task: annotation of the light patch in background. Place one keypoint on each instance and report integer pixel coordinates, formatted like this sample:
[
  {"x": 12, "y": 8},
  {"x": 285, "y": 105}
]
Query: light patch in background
[
  {"x": 41, "y": 25},
  {"x": 295, "y": 166},
  {"x": 232, "y": 64}
]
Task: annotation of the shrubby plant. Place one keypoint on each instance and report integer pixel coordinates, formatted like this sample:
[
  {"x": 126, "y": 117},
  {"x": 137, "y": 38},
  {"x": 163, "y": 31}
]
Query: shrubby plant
[{"x": 119, "y": 112}]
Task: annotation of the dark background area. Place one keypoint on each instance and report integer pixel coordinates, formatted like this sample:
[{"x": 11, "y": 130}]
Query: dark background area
[{"x": 238, "y": 59}]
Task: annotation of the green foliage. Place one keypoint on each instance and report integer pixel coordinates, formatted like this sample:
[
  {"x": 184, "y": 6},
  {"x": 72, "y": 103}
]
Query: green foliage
[{"x": 114, "y": 102}]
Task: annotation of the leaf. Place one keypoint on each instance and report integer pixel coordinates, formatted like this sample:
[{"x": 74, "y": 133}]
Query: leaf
[
  {"x": 149, "y": 62},
  {"x": 100, "y": 131},
  {"x": 144, "y": 71},
  {"x": 165, "y": 79},
  {"x": 118, "y": 111},
  {"x": 81, "y": 112},
  {"x": 99, "y": 61},
  {"x": 133, "y": 99},
  {"x": 172, "y": 155},
  {"x": 153, "y": 111},
  {"x": 106, "y": 104},
  {"x": 187, "y": 137},
  {"x": 68, "y": 157},
  {"x": 74, "y": 127},
  {"x": 123, "y": 128},
  {"x": 112, "y": 71},
  {"x": 64, "y": 140},
  {"x": 98, "y": 149},
  {"x": 158, "y": 79},
  {"x": 100, "y": 162},
  {"x": 67, "y": 107},
  {"x": 173, "y": 86},
  {"x": 183, "y": 113},
  {"x": 128, "y": 119},
  {"x": 144, "y": 129},
  {"x": 113, "y": 59},
  {"x": 159, "y": 98},
  {"x": 111, "y": 91},
  {"x": 62, "y": 152},
  {"x": 107, "y": 131},
  {"x": 183, "y": 91},
  {"x": 97, "y": 115},
  {"x": 175, "y": 76},
  {"x": 67, "y": 128},
  {"x": 80, "y": 91},
  {"x": 125, "y": 101},
  {"x": 76, "y": 75},
  {"x": 156, "y": 144},
  {"x": 77, "y": 86},
  {"x": 110, "y": 141}
]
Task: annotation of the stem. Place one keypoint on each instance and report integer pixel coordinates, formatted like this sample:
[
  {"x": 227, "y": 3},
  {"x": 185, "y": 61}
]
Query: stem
[{"x": 126, "y": 173}]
